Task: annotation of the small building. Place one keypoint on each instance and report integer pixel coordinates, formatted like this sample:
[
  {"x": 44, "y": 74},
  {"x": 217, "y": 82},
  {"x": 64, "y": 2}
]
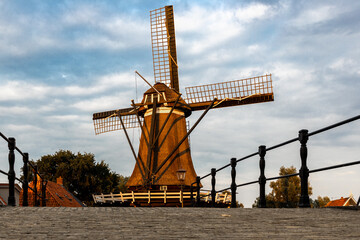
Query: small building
[
  {"x": 342, "y": 202},
  {"x": 56, "y": 195},
  {"x": 4, "y": 194}
]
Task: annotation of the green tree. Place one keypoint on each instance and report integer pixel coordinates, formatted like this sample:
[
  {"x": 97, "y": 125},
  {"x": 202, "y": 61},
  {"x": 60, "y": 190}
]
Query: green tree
[
  {"x": 320, "y": 202},
  {"x": 81, "y": 174},
  {"x": 285, "y": 191}
]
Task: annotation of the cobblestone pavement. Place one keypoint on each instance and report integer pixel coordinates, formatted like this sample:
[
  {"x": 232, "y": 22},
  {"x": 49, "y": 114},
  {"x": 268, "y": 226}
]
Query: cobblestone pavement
[{"x": 177, "y": 223}]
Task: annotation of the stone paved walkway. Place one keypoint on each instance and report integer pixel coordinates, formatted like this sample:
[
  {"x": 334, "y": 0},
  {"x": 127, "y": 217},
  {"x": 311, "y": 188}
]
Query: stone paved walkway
[{"x": 177, "y": 223}]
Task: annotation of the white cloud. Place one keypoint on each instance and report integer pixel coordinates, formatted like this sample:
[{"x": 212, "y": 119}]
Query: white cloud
[
  {"x": 345, "y": 64},
  {"x": 6, "y": 111},
  {"x": 114, "y": 30},
  {"x": 64, "y": 118},
  {"x": 101, "y": 84},
  {"x": 316, "y": 15},
  {"x": 18, "y": 128},
  {"x": 81, "y": 15},
  {"x": 103, "y": 103},
  {"x": 20, "y": 90},
  {"x": 209, "y": 28},
  {"x": 24, "y": 35},
  {"x": 253, "y": 12}
]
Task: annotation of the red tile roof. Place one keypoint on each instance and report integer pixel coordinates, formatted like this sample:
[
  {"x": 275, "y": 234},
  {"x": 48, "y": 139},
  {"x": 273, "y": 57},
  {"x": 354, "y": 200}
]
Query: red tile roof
[
  {"x": 349, "y": 201},
  {"x": 56, "y": 196},
  {"x": 62, "y": 196}
]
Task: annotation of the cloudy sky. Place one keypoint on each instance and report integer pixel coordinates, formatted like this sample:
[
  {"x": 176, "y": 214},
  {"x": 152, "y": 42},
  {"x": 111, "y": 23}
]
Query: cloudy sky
[{"x": 62, "y": 61}]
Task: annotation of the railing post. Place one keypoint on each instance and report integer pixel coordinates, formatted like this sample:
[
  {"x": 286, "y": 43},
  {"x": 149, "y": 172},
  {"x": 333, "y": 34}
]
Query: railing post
[
  {"x": 213, "y": 191},
  {"x": 35, "y": 186},
  {"x": 304, "y": 201},
  {"x": 197, "y": 191},
  {"x": 233, "y": 183},
  {"x": 192, "y": 195},
  {"x": 26, "y": 181},
  {"x": 262, "y": 178},
  {"x": 11, "y": 173}
]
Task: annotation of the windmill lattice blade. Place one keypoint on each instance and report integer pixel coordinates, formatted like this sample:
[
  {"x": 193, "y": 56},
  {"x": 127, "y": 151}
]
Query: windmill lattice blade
[
  {"x": 238, "y": 92},
  {"x": 164, "y": 47},
  {"x": 109, "y": 121}
]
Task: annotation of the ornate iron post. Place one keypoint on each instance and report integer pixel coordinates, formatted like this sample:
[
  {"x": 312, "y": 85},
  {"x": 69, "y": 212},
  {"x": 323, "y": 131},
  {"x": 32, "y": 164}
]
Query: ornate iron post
[
  {"x": 233, "y": 183},
  {"x": 304, "y": 201},
  {"x": 197, "y": 191},
  {"x": 11, "y": 173},
  {"x": 35, "y": 186},
  {"x": 26, "y": 181},
  {"x": 262, "y": 178},
  {"x": 213, "y": 191}
]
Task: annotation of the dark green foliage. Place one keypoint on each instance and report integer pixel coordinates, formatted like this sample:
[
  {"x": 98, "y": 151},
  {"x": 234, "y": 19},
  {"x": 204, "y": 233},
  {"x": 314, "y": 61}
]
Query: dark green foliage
[{"x": 81, "y": 174}]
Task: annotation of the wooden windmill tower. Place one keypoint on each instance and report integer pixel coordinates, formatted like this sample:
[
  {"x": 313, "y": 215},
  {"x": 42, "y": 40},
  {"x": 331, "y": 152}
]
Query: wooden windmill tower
[{"x": 164, "y": 146}]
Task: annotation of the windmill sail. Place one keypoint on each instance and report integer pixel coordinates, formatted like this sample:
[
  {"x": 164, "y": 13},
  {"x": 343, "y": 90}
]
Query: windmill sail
[
  {"x": 232, "y": 93},
  {"x": 164, "y": 46},
  {"x": 110, "y": 121}
]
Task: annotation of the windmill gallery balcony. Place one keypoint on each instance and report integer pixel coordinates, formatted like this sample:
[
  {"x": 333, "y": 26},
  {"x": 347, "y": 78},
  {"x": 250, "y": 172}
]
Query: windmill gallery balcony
[{"x": 159, "y": 198}]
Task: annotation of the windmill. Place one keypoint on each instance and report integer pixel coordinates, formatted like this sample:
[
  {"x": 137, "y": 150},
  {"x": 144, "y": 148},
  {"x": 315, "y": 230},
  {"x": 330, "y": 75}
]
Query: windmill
[{"x": 164, "y": 146}]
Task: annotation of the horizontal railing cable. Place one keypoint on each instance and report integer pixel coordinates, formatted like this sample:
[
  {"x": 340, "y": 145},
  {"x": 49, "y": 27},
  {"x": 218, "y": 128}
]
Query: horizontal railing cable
[
  {"x": 223, "y": 189},
  {"x": 19, "y": 151},
  {"x": 334, "y": 125},
  {"x": 19, "y": 180},
  {"x": 204, "y": 176},
  {"x": 4, "y": 137},
  {"x": 283, "y": 176},
  {"x": 248, "y": 183},
  {"x": 282, "y": 144},
  {"x": 248, "y": 156},
  {"x": 334, "y": 166},
  {"x": 218, "y": 170},
  {"x": 1, "y": 171}
]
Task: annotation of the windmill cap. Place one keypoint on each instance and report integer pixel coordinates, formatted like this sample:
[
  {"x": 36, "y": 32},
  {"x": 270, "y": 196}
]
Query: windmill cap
[{"x": 167, "y": 98}]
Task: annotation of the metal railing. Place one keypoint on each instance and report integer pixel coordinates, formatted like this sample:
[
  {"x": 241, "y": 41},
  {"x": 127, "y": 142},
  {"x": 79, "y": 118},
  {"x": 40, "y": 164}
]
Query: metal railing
[
  {"x": 303, "y": 172},
  {"x": 25, "y": 182}
]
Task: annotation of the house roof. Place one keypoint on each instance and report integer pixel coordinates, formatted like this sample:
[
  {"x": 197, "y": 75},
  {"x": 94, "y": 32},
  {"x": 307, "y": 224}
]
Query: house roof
[
  {"x": 349, "y": 201},
  {"x": 62, "y": 196},
  {"x": 58, "y": 194}
]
